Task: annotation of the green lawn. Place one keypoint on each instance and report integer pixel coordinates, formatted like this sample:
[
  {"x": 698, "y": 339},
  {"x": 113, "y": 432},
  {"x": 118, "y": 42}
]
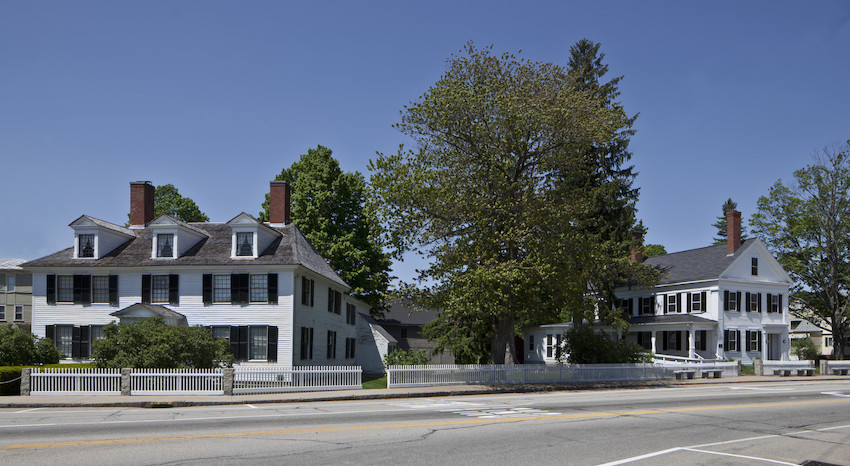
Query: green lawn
[{"x": 380, "y": 382}]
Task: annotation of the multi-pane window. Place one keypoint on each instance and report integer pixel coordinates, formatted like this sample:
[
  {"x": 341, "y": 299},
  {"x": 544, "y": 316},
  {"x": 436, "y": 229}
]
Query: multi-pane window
[
  {"x": 10, "y": 285},
  {"x": 350, "y": 314},
  {"x": 65, "y": 288},
  {"x": 2, "y": 312},
  {"x": 774, "y": 303},
  {"x": 672, "y": 303},
  {"x": 100, "y": 289},
  {"x": 165, "y": 245},
  {"x": 221, "y": 332},
  {"x": 245, "y": 244},
  {"x": 755, "y": 266},
  {"x": 259, "y": 343},
  {"x": 531, "y": 343},
  {"x": 259, "y": 288},
  {"x": 647, "y": 305},
  {"x": 19, "y": 313},
  {"x": 334, "y": 301},
  {"x": 331, "y": 344},
  {"x": 732, "y": 340},
  {"x": 65, "y": 339},
  {"x": 95, "y": 333},
  {"x": 696, "y": 302},
  {"x": 221, "y": 288},
  {"x": 86, "y": 246},
  {"x": 755, "y": 302},
  {"x": 550, "y": 347},
  {"x": 699, "y": 339},
  {"x": 753, "y": 340},
  {"x": 731, "y": 300},
  {"x": 159, "y": 288}
]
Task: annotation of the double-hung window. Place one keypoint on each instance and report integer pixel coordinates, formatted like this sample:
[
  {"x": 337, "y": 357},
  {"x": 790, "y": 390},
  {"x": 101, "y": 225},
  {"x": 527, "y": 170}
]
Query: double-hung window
[
  {"x": 306, "y": 343},
  {"x": 350, "y": 344},
  {"x": 774, "y": 303},
  {"x": 334, "y": 301},
  {"x": 245, "y": 244},
  {"x": 550, "y": 347},
  {"x": 259, "y": 288},
  {"x": 100, "y": 289},
  {"x": 731, "y": 300},
  {"x": 696, "y": 302},
  {"x": 165, "y": 245},
  {"x": 221, "y": 288},
  {"x": 350, "y": 314},
  {"x": 672, "y": 303},
  {"x": 2, "y": 312},
  {"x": 19, "y": 313},
  {"x": 308, "y": 286},
  {"x": 259, "y": 344},
  {"x": 331, "y": 344},
  {"x": 65, "y": 288},
  {"x": 647, "y": 305},
  {"x": 64, "y": 339},
  {"x": 754, "y": 266},
  {"x": 159, "y": 288},
  {"x": 753, "y": 303},
  {"x": 85, "y": 245}
]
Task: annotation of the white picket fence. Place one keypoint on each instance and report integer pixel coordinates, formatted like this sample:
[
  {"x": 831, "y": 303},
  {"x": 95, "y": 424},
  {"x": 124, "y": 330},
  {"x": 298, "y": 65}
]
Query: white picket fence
[
  {"x": 279, "y": 379},
  {"x": 176, "y": 382},
  {"x": 448, "y": 374},
  {"x": 75, "y": 381}
]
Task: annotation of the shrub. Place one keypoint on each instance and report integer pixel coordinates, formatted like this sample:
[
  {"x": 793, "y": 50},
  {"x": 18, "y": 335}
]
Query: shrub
[
  {"x": 150, "y": 343},
  {"x": 410, "y": 357},
  {"x": 19, "y": 347},
  {"x": 584, "y": 346},
  {"x": 7, "y": 374},
  {"x": 804, "y": 349}
]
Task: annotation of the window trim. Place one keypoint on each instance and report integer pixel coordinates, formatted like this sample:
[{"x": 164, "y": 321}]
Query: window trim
[
  {"x": 754, "y": 266},
  {"x": 160, "y": 248},
  {"x": 80, "y": 248}
]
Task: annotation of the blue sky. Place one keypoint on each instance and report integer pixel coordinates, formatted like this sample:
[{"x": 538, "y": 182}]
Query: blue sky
[{"x": 217, "y": 97}]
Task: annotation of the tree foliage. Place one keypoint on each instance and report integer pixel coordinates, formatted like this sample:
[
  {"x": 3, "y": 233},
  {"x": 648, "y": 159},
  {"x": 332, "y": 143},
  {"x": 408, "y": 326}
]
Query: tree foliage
[
  {"x": 584, "y": 346},
  {"x": 806, "y": 225},
  {"x": 330, "y": 207},
  {"x": 721, "y": 226},
  {"x": 150, "y": 343},
  {"x": 168, "y": 201},
  {"x": 804, "y": 349},
  {"x": 19, "y": 347},
  {"x": 653, "y": 250},
  {"x": 517, "y": 190},
  {"x": 410, "y": 357}
]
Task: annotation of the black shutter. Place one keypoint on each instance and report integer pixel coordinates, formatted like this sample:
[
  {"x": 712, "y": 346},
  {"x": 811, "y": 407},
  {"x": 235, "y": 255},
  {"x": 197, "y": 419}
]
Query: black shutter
[
  {"x": 51, "y": 289},
  {"x": 739, "y": 301},
  {"x": 239, "y": 283},
  {"x": 174, "y": 289},
  {"x": 747, "y": 303},
  {"x": 113, "y": 290},
  {"x": 738, "y": 335},
  {"x": 759, "y": 309},
  {"x": 234, "y": 341},
  {"x": 78, "y": 290},
  {"x": 703, "y": 304},
  {"x": 312, "y": 292},
  {"x": 304, "y": 291},
  {"x": 310, "y": 349},
  {"x": 303, "y": 343},
  {"x": 84, "y": 341},
  {"x": 759, "y": 338},
  {"x": 243, "y": 343},
  {"x": 726, "y": 340},
  {"x": 664, "y": 340},
  {"x": 725, "y": 300},
  {"x": 678, "y": 302},
  {"x": 779, "y": 299},
  {"x": 330, "y": 299},
  {"x": 50, "y": 333},
  {"x": 703, "y": 336},
  {"x": 272, "y": 290},
  {"x": 75, "y": 342},
  {"x": 85, "y": 289},
  {"x": 272, "y": 356},
  {"x": 146, "y": 289},
  {"x": 689, "y": 302},
  {"x": 207, "y": 289}
]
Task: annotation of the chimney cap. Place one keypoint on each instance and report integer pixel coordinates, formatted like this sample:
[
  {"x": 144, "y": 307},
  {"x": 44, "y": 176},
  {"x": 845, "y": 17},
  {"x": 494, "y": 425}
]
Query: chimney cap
[{"x": 141, "y": 182}]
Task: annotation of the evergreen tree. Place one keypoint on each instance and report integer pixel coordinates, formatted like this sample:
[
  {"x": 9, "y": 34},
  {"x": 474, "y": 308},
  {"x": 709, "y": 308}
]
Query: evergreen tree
[{"x": 720, "y": 224}]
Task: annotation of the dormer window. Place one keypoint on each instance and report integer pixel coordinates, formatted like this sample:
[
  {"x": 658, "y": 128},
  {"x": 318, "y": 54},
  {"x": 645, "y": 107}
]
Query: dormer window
[
  {"x": 86, "y": 245},
  {"x": 165, "y": 245},
  {"x": 245, "y": 244}
]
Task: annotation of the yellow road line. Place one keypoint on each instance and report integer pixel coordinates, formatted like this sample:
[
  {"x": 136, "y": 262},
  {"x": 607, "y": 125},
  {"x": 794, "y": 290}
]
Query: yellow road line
[{"x": 416, "y": 424}]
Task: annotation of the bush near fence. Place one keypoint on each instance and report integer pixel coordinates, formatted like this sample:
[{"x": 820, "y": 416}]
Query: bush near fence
[{"x": 8, "y": 384}]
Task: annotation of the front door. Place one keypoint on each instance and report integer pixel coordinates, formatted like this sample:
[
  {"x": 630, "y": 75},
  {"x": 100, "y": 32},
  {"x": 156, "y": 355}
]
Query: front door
[{"x": 773, "y": 349}]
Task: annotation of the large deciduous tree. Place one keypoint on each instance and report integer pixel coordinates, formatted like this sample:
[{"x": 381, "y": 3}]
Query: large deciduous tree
[
  {"x": 167, "y": 200},
  {"x": 330, "y": 207},
  {"x": 806, "y": 224},
  {"x": 518, "y": 192}
]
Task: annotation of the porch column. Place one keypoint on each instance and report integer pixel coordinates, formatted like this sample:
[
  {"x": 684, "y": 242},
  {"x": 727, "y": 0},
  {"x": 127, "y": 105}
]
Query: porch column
[
  {"x": 654, "y": 348},
  {"x": 692, "y": 346},
  {"x": 764, "y": 345}
]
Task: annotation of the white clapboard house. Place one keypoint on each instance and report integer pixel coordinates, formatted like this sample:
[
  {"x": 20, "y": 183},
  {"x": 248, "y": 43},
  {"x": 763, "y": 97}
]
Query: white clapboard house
[
  {"x": 726, "y": 301},
  {"x": 260, "y": 285}
]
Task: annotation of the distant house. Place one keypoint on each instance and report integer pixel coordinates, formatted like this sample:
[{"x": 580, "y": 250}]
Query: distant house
[
  {"x": 15, "y": 294},
  {"x": 261, "y": 286},
  {"x": 727, "y": 301},
  {"x": 801, "y": 328}
]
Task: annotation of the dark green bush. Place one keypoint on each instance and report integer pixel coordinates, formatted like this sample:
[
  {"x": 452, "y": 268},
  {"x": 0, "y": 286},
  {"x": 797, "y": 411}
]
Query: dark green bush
[
  {"x": 8, "y": 373},
  {"x": 584, "y": 346},
  {"x": 410, "y": 357},
  {"x": 19, "y": 347}
]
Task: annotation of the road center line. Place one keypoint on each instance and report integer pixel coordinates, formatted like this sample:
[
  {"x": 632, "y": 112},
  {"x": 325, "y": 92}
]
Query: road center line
[{"x": 412, "y": 424}]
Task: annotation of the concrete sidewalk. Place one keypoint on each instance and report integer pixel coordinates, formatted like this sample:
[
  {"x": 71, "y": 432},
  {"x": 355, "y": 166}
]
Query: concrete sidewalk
[{"x": 339, "y": 395}]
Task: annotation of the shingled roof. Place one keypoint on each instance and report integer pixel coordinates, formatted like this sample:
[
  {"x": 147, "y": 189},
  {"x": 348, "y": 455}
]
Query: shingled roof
[
  {"x": 696, "y": 264},
  {"x": 292, "y": 248}
]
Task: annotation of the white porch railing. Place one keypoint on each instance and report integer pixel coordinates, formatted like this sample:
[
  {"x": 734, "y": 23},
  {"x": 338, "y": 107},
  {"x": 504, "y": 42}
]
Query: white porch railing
[
  {"x": 417, "y": 376},
  {"x": 176, "y": 382},
  {"x": 665, "y": 358},
  {"x": 278, "y": 379},
  {"x": 75, "y": 381},
  {"x": 728, "y": 368}
]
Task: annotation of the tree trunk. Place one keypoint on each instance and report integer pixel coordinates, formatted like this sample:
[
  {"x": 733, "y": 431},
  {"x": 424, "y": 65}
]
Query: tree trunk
[
  {"x": 502, "y": 347},
  {"x": 838, "y": 346}
]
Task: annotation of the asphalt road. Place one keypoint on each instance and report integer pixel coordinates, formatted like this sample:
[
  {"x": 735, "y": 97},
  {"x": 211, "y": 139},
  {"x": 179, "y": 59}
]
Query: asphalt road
[{"x": 764, "y": 423}]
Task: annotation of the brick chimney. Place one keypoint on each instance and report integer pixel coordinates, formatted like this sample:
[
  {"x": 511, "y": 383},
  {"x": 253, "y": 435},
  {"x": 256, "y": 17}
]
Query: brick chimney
[
  {"x": 733, "y": 231},
  {"x": 637, "y": 250},
  {"x": 279, "y": 199},
  {"x": 141, "y": 203}
]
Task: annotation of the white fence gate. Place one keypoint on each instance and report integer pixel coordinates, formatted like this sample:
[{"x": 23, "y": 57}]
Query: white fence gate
[
  {"x": 75, "y": 381},
  {"x": 176, "y": 382},
  {"x": 278, "y": 379}
]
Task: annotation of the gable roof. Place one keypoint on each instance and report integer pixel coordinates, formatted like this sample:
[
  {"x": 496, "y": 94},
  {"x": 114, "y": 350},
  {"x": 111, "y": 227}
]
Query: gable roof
[
  {"x": 291, "y": 248},
  {"x": 696, "y": 264},
  {"x": 82, "y": 219}
]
